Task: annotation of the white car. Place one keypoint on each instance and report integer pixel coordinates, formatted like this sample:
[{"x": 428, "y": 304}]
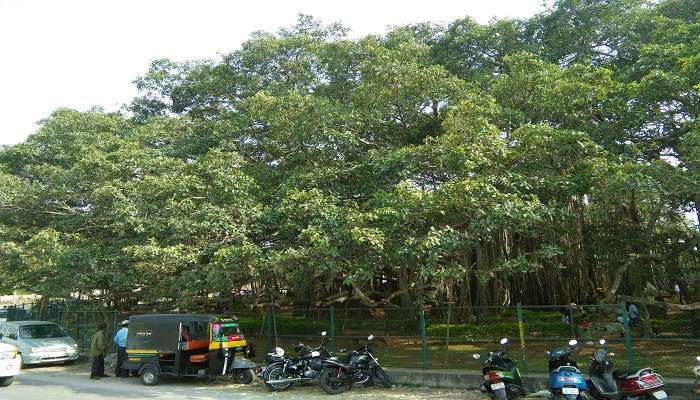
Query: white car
[
  {"x": 39, "y": 342},
  {"x": 9, "y": 364}
]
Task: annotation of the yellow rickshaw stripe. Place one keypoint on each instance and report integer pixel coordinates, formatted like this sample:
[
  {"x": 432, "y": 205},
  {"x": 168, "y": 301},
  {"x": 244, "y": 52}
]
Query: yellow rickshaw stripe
[{"x": 142, "y": 351}]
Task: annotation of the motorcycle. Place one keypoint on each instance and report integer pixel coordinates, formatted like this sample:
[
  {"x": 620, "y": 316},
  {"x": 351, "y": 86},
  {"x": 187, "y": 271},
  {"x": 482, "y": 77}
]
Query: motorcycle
[
  {"x": 565, "y": 379},
  {"x": 601, "y": 380},
  {"x": 607, "y": 384},
  {"x": 360, "y": 366},
  {"x": 501, "y": 375},
  {"x": 285, "y": 372}
]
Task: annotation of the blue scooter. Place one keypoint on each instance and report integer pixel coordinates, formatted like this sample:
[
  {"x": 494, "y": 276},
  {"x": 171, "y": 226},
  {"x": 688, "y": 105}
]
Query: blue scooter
[{"x": 565, "y": 379}]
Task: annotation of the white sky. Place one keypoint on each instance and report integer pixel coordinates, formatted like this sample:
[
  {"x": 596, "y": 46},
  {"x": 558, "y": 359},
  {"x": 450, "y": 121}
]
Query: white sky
[{"x": 84, "y": 53}]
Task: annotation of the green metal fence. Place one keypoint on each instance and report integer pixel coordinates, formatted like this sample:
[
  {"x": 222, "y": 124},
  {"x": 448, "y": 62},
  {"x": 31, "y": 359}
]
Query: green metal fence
[{"x": 448, "y": 336}]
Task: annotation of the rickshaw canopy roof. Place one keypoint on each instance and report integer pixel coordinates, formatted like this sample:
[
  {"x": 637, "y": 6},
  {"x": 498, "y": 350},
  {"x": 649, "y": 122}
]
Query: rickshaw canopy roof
[{"x": 161, "y": 332}]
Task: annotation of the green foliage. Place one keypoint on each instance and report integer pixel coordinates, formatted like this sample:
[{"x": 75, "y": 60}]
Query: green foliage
[
  {"x": 500, "y": 329},
  {"x": 477, "y": 164}
]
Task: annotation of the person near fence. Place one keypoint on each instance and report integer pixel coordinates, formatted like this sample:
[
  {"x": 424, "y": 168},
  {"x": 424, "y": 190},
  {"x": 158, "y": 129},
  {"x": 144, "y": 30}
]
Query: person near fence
[
  {"x": 634, "y": 314},
  {"x": 120, "y": 340},
  {"x": 98, "y": 350},
  {"x": 679, "y": 293}
]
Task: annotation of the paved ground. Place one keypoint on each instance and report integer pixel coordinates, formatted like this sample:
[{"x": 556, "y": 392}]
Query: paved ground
[{"x": 72, "y": 383}]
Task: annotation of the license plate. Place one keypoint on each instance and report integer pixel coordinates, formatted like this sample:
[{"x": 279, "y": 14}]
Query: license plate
[
  {"x": 567, "y": 390},
  {"x": 56, "y": 354},
  {"x": 499, "y": 385},
  {"x": 660, "y": 395}
]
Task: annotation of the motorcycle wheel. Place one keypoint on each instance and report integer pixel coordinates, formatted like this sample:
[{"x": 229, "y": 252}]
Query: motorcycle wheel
[
  {"x": 383, "y": 377},
  {"x": 244, "y": 376},
  {"x": 331, "y": 383},
  {"x": 276, "y": 372}
]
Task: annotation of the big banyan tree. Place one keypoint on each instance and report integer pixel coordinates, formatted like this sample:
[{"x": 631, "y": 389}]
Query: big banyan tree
[{"x": 547, "y": 160}]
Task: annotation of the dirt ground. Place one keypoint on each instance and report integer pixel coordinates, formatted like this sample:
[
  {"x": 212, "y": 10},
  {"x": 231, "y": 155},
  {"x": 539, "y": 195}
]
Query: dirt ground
[{"x": 73, "y": 383}]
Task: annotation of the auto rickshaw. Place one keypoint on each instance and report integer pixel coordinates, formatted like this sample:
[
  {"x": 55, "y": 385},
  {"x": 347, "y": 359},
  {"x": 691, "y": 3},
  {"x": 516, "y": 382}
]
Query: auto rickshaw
[{"x": 197, "y": 345}]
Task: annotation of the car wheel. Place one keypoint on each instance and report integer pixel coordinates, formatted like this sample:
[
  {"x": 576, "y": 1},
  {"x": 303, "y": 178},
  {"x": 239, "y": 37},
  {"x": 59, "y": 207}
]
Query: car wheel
[
  {"x": 7, "y": 381},
  {"x": 149, "y": 376}
]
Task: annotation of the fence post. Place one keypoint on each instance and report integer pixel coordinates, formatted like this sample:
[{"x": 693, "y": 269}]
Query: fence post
[
  {"x": 269, "y": 328},
  {"x": 424, "y": 339},
  {"x": 332, "y": 311},
  {"x": 447, "y": 335},
  {"x": 81, "y": 344},
  {"x": 521, "y": 331},
  {"x": 114, "y": 329},
  {"x": 628, "y": 336}
]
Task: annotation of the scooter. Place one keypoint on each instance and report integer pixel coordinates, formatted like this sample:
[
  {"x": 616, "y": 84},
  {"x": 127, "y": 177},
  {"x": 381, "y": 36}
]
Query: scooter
[
  {"x": 501, "y": 375},
  {"x": 603, "y": 385},
  {"x": 607, "y": 384},
  {"x": 565, "y": 379}
]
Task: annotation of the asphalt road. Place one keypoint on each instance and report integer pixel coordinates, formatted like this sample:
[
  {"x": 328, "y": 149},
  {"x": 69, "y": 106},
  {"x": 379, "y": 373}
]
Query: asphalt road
[{"x": 72, "y": 383}]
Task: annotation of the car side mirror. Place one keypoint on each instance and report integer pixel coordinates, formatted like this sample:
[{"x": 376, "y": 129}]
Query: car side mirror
[
  {"x": 12, "y": 336},
  {"x": 547, "y": 353}
]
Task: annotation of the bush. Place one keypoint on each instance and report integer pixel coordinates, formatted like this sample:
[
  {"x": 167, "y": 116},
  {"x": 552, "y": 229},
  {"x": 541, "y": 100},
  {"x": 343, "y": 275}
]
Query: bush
[{"x": 500, "y": 329}]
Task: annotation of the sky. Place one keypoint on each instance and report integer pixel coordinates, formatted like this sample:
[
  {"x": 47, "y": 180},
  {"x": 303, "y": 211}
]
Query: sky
[{"x": 85, "y": 53}]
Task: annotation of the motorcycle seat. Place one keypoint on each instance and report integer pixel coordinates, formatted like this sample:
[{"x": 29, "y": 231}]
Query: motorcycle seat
[{"x": 619, "y": 375}]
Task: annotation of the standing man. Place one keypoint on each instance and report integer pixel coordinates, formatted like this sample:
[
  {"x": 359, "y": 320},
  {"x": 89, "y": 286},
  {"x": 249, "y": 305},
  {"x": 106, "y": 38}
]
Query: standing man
[
  {"x": 634, "y": 314},
  {"x": 98, "y": 350},
  {"x": 679, "y": 293},
  {"x": 120, "y": 341}
]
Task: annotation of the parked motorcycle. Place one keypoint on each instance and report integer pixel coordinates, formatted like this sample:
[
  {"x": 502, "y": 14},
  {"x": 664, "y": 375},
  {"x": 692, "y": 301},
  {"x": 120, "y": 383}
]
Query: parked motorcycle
[
  {"x": 601, "y": 381},
  {"x": 360, "y": 366},
  {"x": 606, "y": 384},
  {"x": 501, "y": 375},
  {"x": 565, "y": 379},
  {"x": 282, "y": 374}
]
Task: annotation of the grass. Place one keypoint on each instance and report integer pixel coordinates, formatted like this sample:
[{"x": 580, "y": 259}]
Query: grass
[
  {"x": 399, "y": 344},
  {"x": 669, "y": 358}
]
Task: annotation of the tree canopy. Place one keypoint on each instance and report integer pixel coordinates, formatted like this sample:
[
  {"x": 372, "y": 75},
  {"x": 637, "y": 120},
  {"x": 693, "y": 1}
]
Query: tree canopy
[{"x": 544, "y": 160}]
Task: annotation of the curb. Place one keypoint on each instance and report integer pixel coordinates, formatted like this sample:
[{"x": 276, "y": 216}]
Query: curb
[{"x": 470, "y": 379}]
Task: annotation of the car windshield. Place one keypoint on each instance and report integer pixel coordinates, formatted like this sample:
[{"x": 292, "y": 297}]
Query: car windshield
[{"x": 44, "y": 331}]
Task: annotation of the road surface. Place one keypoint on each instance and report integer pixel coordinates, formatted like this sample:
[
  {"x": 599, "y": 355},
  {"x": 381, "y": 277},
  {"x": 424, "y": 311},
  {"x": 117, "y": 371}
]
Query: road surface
[{"x": 73, "y": 383}]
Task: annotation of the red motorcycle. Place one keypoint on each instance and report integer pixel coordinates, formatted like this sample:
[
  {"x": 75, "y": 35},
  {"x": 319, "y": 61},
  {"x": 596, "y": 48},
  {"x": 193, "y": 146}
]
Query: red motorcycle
[
  {"x": 606, "y": 384},
  {"x": 644, "y": 383}
]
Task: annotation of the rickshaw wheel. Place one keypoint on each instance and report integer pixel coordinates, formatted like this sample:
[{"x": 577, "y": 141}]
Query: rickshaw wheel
[
  {"x": 244, "y": 376},
  {"x": 149, "y": 376}
]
